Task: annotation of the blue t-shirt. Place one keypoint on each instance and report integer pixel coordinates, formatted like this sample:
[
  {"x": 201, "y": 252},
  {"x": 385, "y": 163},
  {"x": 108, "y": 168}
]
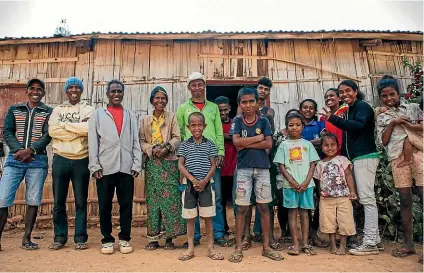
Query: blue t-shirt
[
  {"x": 251, "y": 158},
  {"x": 313, "y": 130}
]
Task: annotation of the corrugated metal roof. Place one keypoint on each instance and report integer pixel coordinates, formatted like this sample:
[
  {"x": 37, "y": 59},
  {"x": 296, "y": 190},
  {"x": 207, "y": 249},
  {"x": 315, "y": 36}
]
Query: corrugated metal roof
[{"x": 221, "y": 33}]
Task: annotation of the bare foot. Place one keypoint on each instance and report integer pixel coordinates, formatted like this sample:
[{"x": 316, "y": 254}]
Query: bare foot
[
  {"x": 404, "y": 163},
  {"x": 333, "y": 250},
  {"x": 341, "y": 251}
]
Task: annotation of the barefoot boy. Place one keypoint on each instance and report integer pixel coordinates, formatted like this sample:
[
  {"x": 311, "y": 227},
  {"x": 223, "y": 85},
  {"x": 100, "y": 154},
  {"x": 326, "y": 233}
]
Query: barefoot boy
[
  {"x": 197, "y": 164},
  {"x": 252, "y": 136}
]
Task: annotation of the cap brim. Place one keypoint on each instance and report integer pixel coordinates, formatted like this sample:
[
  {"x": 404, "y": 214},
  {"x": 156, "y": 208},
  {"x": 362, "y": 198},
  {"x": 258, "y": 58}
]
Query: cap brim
[{"x": 36, "y": 80}]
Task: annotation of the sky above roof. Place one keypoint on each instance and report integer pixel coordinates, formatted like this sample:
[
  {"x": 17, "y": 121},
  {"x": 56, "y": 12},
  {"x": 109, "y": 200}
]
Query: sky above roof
[{"x": 40, "y": 18}]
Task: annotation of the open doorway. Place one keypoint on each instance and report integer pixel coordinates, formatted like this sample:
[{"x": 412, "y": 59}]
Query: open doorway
[{"x": 229, "y": 91}]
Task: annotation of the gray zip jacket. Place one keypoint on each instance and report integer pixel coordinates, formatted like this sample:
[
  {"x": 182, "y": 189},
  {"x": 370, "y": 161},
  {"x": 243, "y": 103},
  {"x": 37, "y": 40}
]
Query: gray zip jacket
[{"x": 107, "y": 150}]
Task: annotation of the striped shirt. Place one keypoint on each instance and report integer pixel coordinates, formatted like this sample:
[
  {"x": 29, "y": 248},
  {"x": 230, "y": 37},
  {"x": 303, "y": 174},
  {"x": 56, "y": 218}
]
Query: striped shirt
[{"x": 197, "y": 156}]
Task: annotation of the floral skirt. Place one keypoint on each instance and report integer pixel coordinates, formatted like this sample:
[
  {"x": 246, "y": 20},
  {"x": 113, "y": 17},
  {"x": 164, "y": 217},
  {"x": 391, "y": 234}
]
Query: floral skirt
[{"x": 163, "y": 200}]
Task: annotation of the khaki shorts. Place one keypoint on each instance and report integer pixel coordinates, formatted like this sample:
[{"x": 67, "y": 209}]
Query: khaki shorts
[
  {"x": 336, "y": 213},
  {"x": 403, "y": 176}
]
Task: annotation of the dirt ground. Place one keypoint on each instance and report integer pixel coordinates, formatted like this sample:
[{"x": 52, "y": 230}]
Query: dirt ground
[{"x": 13, "y": 258}]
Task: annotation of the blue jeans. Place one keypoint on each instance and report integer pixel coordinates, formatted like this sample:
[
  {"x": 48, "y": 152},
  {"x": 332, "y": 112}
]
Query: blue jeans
[
  {"x": 218, "y": 219},
  {"x": 35, "y": 174}
]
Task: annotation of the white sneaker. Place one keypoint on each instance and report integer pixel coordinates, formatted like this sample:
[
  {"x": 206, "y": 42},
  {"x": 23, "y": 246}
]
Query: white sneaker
[
  {"x": 125, "y": 247},
  {"x": 107, "y": 248}
]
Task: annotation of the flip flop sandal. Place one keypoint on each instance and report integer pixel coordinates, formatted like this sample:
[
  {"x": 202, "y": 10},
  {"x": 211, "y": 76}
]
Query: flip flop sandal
[
  {"x": 245, "y": 245},
  {"x": 257, "y": 238},
  {"x": 81, "y": 246},
  {"x": 30, "y": 246},
  {"x": 169, "y": 246},
  {"x": 236, "y": 257},
  {"x": 196, "y": 243},
  {"x": 216, "y": 256},
  {"x": 151, "y": 246},
  {"x": 273, "y": 255},
  {"x": 309, "y": 250},
  {"x": 231, "y": 242},
  {"x": 185, "y": 257},
  {"x": 293, "y": 251},
  {"x": 402, "y": 252},
  {"x": 277, "y": 246},
  {"x": 221, "y": 242},
  {"x": 321, "y": 244},
  {"x": 56, "y": 246}
]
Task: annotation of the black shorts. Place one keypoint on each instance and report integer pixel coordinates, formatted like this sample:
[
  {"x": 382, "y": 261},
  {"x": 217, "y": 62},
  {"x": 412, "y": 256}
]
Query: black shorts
[{"x": 194, "y": 201}]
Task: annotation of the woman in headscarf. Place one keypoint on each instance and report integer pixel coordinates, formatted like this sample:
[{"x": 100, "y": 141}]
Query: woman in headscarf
[{"x": 160, "y": 137}]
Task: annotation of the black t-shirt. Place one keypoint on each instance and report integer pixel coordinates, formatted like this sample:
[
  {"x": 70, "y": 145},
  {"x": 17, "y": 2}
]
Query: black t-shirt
[{"x": 251, "y": 158}]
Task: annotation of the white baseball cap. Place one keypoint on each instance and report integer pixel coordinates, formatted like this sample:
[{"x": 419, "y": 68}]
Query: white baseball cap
[{"x": 196, "y": 76}]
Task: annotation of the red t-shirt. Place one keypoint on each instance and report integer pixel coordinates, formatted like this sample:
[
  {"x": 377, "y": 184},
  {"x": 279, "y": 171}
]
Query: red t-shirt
[
  {"x": 199, "y": 105},
  {"x": 230, "y": 160},
  {"x": 330, "y": 128},
  {"x": 118, "y": 116}
]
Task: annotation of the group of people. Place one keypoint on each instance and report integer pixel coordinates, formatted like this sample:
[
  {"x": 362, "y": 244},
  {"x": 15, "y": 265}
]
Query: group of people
[{"x": 198, "y": 159}]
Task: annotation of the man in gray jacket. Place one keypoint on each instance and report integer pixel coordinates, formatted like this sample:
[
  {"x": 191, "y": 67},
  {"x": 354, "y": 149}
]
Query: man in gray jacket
[{"x": 115, "y": 159}]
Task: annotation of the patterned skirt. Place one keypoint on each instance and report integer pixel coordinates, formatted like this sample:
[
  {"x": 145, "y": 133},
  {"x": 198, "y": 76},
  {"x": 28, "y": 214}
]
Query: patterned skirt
[{"x": 163, "y": 200}]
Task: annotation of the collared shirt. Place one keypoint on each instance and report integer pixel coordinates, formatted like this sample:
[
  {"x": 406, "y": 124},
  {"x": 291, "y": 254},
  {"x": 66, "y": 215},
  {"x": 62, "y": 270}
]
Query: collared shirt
[
  {"x": 313, "y": 130},
  {"x": 156, "y": 134},
  {"x": 395, "y": 147},
  {"x": 213, "y": 130}
]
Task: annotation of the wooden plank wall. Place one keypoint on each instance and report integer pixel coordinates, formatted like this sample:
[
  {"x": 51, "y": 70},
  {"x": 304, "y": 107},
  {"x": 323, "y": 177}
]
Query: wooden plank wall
[{"x": 144, "y": 64}]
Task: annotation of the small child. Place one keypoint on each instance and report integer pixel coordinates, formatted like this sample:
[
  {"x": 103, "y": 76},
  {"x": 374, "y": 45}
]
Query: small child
[
  {"x": 296, "y": 159},
  {"x": 334, "y": 174},
  {"x": 197, "y": 164}
]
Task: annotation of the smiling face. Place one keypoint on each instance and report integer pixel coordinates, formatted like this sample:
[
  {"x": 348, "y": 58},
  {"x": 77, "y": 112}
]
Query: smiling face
[
  {"x": 224, "y": 111},
  {"x": 295, "y": 128},
  {"x": 347, "y": 94},
  {"x": 35, "y": 92},
  {"x": 331, "y": 99},
  {"x": 308, "y": 110},
  {"x": 389, "y": 97},
  {"x": 74, "y": 93},
  {"x": 197, "y": 89},
  {"x": 248, "y": 104},
  {"x": 329, "y": 146},
  {"x": 159, "y": 101},
  {"x": 115, "y": 94},
  {"x": 196, "y": 125},
  {"x": 263, "y": 91}
]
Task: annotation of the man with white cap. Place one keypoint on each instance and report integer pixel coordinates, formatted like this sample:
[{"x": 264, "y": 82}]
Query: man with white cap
[
  {"x": 68, "y": 127},
  {"x": 196, "y": 84}
]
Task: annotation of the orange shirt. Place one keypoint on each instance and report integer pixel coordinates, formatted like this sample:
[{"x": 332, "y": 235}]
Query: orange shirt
[{"x": 118, "y": 116}]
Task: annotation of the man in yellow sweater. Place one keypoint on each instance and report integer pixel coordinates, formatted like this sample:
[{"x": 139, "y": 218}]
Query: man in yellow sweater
[{"x": 68, "y": 128}]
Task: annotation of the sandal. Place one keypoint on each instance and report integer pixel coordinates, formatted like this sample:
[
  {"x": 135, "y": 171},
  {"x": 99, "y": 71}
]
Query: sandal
[
  {"x": 169, "y": 246},
  {"x": 231, "y": 242},
  {"x": 30, "y": 246},
  {"x": 318, "y": 243},
  {"x": 196, "y": 243},
  {"x": 309, "y": 250},
  {"x": 151, "y": 246},
  {"x": 402, "y": 252},
  {"x": 277, "y": 246},
  {"x": 285, "y": 240},
  {"x": 273, "y": 255},
  {"x": 245, "y": 245},
  {"x": 185, "y": 257},
  {"x": 236, "y": 257},
  {"x": 81, "y": 246},
  {"x": 293, "y": 251},
  {"x": 257, "y": 238},
  {"x": 216, "y": 256},
  {"x": 56, "y": 246},
  {"x": 221, "y": 242}
]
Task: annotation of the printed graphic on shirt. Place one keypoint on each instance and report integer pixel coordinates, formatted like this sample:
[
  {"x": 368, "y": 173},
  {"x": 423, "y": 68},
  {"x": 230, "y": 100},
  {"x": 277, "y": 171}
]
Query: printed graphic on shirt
[
  {"x": 334, "y": 181},
  {"x": 295, "y": 154},
  {"x": 69, "y": 117}
]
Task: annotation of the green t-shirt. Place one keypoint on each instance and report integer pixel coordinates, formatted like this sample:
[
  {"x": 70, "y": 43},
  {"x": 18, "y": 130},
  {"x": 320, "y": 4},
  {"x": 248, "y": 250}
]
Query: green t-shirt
[
  {"x": 296, "y": 155},
  {"x": 213, "y": 130}
]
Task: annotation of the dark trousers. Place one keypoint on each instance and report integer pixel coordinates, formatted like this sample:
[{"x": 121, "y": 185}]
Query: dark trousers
[
  {"x": 124, "y": 185},
  {"x": 63, "y": 171},
  {"x": 314, "y": 221},
  {"x": 226, "y": 196}
]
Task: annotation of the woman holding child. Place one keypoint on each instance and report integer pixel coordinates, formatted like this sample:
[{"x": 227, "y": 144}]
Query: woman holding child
[
  {"x": 358, "y": 129},
  {"x": 397, "y": 125},
  {"x": 160, "y": 137}
]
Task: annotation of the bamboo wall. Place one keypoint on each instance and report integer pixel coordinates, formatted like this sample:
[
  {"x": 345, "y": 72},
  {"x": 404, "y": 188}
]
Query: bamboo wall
[{"x": 299, "y": 68}]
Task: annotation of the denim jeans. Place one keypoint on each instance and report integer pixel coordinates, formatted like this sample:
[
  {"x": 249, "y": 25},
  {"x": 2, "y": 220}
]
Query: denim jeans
[
  {"x": 14, "y": 172},
  {"x": 218, "y": 219},
  {"x": 364, "y": 172},
  {"x": 64, "y": 170}
]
